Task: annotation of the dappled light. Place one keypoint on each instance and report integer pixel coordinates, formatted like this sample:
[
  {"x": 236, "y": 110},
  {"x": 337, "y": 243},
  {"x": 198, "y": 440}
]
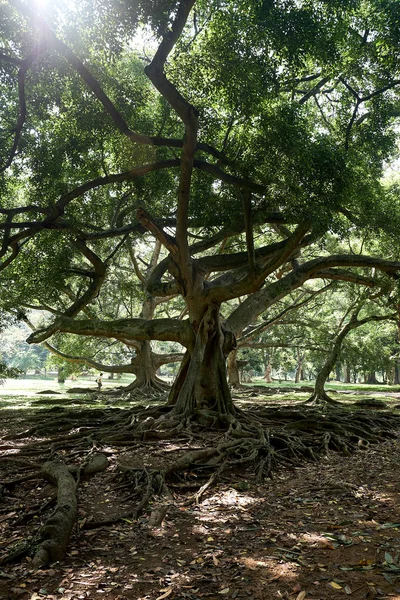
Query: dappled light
[{"x": 309, "y": 529}]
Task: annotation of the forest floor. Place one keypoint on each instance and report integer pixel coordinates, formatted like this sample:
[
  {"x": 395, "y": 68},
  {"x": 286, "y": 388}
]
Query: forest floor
[{"x": 323, "y": 530}]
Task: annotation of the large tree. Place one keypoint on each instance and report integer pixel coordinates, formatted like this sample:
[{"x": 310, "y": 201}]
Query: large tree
[
  {"x": 252, "y": 131},
  {"x": 244, "y": 140}
]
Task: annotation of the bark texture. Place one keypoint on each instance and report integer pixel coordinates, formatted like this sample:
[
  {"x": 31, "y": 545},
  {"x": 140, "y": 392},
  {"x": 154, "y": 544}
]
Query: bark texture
[
  {"x": 57, "y": 530},
  {"x": 202, "y": 380}
]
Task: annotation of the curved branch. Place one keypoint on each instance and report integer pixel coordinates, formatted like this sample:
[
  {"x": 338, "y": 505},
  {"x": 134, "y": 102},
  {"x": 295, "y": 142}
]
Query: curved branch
[
  {"x": 99, "y": 275},
  {"x": 258, "y": 302},
  {"x": 99, "y": 93},
  {"x": 122, "y": 329},
  {"x": 24, "y": 66},
  {"x": 164, "y": 359}
]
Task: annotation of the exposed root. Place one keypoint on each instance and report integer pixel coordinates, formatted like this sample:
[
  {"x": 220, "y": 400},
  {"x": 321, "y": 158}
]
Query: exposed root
[
  {"x": 151, "y": 387},
  {"x": 260, "y": 441},
  {"x": 320, "y": 398},
  {"x": 56, "y": 532}
]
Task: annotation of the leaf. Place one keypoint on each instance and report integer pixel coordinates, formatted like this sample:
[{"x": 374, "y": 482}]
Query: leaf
[
  {"x": 335, "y": 585},
  {"x": 302, "y": 595},
  {"x": 167, "y": 593},
  {"x": 388, "y": 579},
  {"x": 347, "y": 589},
  {"x": 215, "y": 560},
  {"x": 388, "y": 557},
  {"x": 224, "y": 591}
]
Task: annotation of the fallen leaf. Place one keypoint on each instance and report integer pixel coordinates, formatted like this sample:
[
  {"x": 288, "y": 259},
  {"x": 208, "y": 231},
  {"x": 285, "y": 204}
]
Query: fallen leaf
[
  {"x": 224, "y": 591},
  {"x": 302, "y": 595},
  {"x": 388, "y": 557},
  {"x": 347, "y": 589},
  {"x": 215, "y": 560},
  {"x": 167, "y": 593},
  {"x": 335, "y": 585}
]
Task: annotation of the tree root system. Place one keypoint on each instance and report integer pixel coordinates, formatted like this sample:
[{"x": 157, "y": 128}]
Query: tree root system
[{"x": 207, "y": 447}]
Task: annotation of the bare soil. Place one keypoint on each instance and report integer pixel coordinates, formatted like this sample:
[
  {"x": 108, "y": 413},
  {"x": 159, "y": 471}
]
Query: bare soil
[{"x": 322, "y": 530}]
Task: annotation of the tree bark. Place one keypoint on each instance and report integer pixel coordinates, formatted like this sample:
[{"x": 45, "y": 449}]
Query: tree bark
[
  {"x": 233, "y": 369},
  {"x": 371, "y": 378},
  {"x": 319, "y": 390},
  {"x": 299, "y": 367},
  {"x": 201, "y": 384},
  {"x": 57, "y": 530},
  {"x": 338, "y": 371},
  {"x": 145, "y": 367},
  {"x": 268, "y": 373},
  {"x": 397, "y": 374}
]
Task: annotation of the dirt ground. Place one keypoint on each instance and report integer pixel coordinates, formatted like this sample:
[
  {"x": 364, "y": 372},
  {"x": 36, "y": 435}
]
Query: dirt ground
[{"x": 324, "y": 530}]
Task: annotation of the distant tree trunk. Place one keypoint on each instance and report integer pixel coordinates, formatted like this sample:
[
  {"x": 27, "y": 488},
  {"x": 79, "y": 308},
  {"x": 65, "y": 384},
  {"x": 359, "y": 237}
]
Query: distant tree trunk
[
  {"x": 233, "y": 369},
  {"x": 299, "y": 367},
  {"x": 371, "y": 378},
  {"x": 338, "y": 370},
  {"x": 268, "y": 373},
  {"x": 319, "y": 394},
  {"x": 397, "y": 374},
  {"x": 347, "y": 374},
  {"x": 145, "y": 368},
  {"x": 61, "y": 375}
]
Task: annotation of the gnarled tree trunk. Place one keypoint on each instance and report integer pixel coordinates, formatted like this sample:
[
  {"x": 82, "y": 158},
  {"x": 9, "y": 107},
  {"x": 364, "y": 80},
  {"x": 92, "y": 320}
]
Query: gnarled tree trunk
[
  {"x": 201, "y": 384},
  {"x": 145, "y": 367}
]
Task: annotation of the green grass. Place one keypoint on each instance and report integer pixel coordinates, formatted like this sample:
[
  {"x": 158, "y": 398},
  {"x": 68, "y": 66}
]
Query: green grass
[
  {"x": 23, "y": 393},
  {"x": 333, "y": 385}
]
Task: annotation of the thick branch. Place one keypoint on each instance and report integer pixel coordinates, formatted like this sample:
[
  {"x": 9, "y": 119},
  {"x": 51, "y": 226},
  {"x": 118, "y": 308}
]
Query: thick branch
[
  {"x": 258, "y": 302},
  {"x": 188, "y": 114},
  {"x": 122, "y": 329},
  {"x": 252, "y": 283}
]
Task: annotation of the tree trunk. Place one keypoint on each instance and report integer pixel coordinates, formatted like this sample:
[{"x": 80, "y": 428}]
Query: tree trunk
[
  {"x": 145, "y": 369},
  {"x": 347, "y": 374},
  {"x": 201, "y": 384},
  {"x": 371, "y": 379},
  {"x": 338, "y": 370},
  {"x": 61, "y": 375},
  {"x": 319, "y": 394},
  {"x": 233, "y": 369},
  {"x": 299, "y": 367},
  {"x": 268, "y": 373}
]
